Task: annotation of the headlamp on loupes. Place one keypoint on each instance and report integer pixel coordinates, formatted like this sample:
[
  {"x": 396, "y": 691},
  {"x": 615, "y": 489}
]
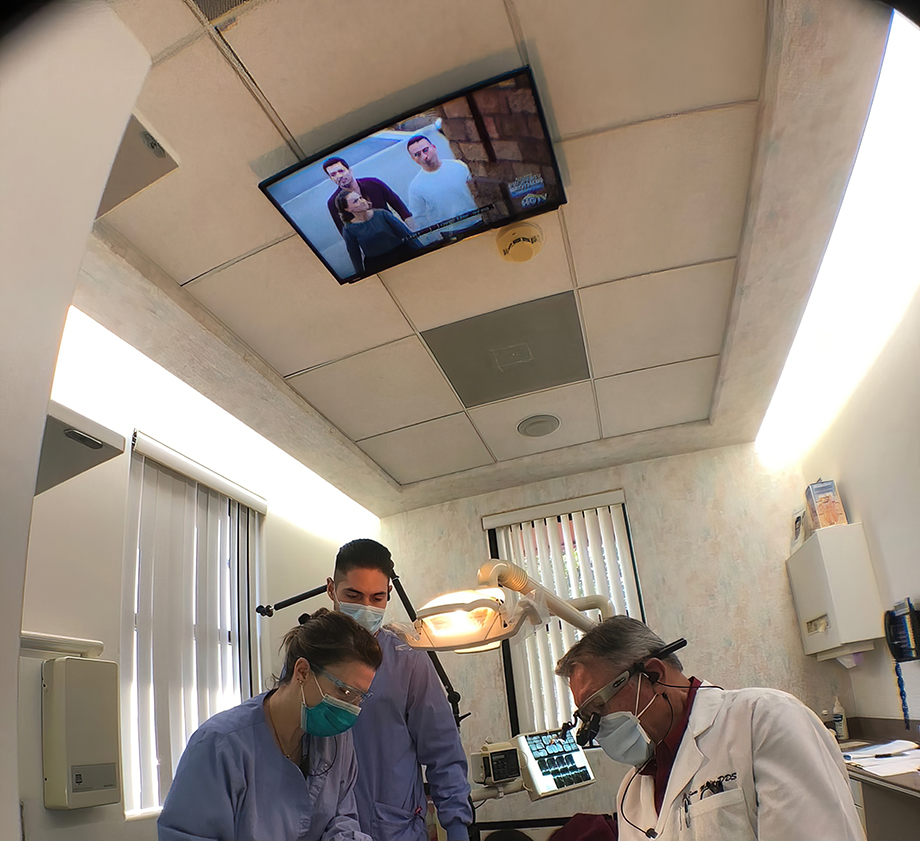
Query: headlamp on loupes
[{"x": 589, "y": 723}]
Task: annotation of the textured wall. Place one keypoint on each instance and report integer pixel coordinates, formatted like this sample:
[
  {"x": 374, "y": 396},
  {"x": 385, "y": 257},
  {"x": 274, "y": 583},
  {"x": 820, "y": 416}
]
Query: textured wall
[
  {"x": 711, "y": 535},
  {"x": 873, "y": 451}
]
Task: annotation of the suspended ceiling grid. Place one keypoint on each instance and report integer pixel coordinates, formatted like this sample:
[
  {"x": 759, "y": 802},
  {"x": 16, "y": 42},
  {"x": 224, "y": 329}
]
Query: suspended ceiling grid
[{"x": 703, "y": 156}]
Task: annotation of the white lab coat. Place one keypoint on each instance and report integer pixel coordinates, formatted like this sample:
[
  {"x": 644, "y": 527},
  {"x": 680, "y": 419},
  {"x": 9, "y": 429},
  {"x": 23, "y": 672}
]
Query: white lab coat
[{"x": 783, "y": 776}]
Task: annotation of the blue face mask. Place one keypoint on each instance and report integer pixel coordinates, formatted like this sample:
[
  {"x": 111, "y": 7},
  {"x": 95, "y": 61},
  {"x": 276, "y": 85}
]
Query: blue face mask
[
  {"x": 329, "y": 717},
  {"x": 367, "y": 617}
]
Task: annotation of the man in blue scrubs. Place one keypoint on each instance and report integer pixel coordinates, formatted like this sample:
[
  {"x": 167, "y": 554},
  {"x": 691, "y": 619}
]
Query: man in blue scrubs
[{"x": 406, "y": 723}]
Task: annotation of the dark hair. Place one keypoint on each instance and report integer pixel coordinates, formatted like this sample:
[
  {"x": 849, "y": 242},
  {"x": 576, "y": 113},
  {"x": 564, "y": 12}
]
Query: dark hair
[
  {"x": 327, "y": 638},
  {"x": 508, "y": 835},
  {"x": 330, "y": 161},
  {"x": 363, "y": 553},
  {"x": 620, "y": 641},
  {"x": 341, "y": 205},
  {"x": 415, "y": 139}
]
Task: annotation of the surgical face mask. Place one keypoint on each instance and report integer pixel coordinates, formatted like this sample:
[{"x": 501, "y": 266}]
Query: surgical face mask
[
  {"x": 329, "y": 717},
  {"x": 623, "y": 738},
  {"x": 366, "y": 616}
]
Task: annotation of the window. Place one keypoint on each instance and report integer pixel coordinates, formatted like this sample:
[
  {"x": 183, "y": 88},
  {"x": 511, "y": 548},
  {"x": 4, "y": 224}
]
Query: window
[
  {"x": 576, "y": 548},
  {"x": 187, "y": 647}
]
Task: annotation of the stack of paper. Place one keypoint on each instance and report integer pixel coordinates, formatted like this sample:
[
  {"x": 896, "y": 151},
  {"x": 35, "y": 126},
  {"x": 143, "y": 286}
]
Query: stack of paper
[{"x": 888, "y": 759}]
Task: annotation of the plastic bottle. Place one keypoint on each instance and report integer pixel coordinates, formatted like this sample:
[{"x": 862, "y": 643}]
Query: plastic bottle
[{"x": 840, "y": 721}]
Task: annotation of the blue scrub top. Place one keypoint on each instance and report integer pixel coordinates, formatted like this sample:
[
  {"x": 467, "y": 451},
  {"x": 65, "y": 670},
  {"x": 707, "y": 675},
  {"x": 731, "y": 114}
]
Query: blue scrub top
[
  {"x": 407, "y": 722},
  {"x": 234, "y": 784}
]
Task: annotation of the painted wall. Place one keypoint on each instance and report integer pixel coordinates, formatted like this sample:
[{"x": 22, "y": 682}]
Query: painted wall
[
  {"x": 711, "y": 533},
  {"x": 873, "y": 452},
  {"x": 58, "y": 138},
  {"x": 73, "y": 585}
]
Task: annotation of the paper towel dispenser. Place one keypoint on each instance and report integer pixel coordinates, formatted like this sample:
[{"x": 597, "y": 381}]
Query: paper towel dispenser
[{"x": 835, "y": 593}]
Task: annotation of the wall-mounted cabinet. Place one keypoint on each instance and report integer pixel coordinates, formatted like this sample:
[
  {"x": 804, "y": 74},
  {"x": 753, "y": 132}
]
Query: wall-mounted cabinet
[
  {"x": 835, "y": 592},
  {"x": 71, "y": 444}
]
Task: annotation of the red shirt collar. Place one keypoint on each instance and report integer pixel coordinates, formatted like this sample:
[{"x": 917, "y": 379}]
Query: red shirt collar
[{"x": 660, "y": 766}]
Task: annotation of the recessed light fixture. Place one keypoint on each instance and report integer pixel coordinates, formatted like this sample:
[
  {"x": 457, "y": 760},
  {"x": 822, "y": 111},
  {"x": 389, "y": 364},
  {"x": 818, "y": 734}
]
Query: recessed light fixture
[{"x": 536, "y": 426}]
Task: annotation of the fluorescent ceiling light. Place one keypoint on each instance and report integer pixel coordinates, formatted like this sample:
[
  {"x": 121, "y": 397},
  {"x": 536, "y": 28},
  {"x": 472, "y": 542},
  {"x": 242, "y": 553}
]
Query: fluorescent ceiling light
[
  {"x": 101, "y": 376},
  {"x": 870, "y": 272}
]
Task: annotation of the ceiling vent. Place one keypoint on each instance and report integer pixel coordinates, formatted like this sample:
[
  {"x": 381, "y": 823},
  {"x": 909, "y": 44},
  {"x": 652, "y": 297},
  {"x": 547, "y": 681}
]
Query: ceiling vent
[
  {"x": 215, "y": 9},
  {"x": 517, "y": 350},
  {"x": 537, "y": 426}
]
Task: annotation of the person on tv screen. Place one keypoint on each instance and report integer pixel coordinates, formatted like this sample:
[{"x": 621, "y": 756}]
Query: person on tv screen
[
  {"x": 374, "y": 190},
  {"x": 376, "y": 239},
  {"x": 440, "y": 191}
]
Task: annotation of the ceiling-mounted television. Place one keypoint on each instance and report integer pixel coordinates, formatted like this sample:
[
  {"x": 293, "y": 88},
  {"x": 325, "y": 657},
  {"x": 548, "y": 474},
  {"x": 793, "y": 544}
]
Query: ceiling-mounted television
[{"x": 476, "y": 160}]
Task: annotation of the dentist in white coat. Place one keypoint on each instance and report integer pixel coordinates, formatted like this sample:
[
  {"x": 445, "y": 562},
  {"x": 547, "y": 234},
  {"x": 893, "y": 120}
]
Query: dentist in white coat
[{"x": 710, "y": 763}]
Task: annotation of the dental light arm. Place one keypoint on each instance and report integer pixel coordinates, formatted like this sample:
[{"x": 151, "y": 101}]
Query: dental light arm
[
  {"x": 478, "y": 620},
  {"x": 506, "y": 574}
]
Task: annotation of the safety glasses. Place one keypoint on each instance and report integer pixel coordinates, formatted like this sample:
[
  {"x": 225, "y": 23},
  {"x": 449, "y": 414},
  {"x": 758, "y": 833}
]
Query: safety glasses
[
  {"x": 590, "y": 722},
  {"x": 347, "y": 693}
]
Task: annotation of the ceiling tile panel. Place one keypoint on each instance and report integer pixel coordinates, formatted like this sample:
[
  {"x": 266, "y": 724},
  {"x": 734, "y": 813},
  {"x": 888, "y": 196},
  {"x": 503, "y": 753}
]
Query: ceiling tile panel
[
  {"x": 655, "y": 319},
  {"x": 284, "y": 304},
  {"x": 528, "y": 347},
  {"x": 331, "y": 73},
  {"x": 158, "y": 25},
  {"x": 209, "y": 210},
  {"x": 675, "y": 57},
  {"x": 471, "y": 278},
  {"x": 573, "y": 405},
  {"x": 437, "y": 448},
  {"x": 656, "y": 397},
  {"x": 379, "y": 390},
  {"x": 675, "y": 193}
]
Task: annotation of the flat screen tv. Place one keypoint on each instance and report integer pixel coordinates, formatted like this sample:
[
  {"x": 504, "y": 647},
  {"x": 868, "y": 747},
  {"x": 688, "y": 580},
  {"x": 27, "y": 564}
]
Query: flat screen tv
[{"x": 473, "y": 161}]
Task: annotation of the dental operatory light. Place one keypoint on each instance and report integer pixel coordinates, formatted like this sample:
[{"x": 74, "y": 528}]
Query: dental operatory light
[
  {"x": 478, "y": 620},
  {"x": 468, "y": 620}
]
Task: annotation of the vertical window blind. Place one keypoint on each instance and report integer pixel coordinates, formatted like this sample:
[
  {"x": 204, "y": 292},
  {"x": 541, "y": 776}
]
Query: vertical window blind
[
  {"x": 576, "y": 548},
  {"x": 188, "y": 650}
]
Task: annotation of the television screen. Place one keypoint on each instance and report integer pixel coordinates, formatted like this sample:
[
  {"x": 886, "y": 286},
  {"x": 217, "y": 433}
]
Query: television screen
[{"x": 476, "y": 160}]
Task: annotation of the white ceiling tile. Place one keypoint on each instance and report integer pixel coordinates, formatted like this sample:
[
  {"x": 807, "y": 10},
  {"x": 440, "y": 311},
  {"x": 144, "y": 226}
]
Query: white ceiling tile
[
  {"x": 471, "y": 278},
  {"x": 331, "y": 73},
  {"x": 158, "y": 25},
  {"x": 210, "y": 209},
  {"x": 659, "y": 195},
  {"x": 655, "y": 319},
  {"x": 656, "y": 397},
  {"x": 198, "y": 218},
  {"x": 601, "y": 64},
  {"x": 379, "y": 390},
  {"x": 286, "y": 306},
  {"x": 437, "y": 448},
  {"x": 573, "y": 405},
  {"x": 203, "y": 109}
]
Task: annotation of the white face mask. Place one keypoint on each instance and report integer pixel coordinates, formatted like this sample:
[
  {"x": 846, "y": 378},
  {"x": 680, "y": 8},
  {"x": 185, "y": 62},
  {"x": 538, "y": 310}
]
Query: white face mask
[
  {"x": 366, "y": 616},
  {"x": 623, "y": 738}
]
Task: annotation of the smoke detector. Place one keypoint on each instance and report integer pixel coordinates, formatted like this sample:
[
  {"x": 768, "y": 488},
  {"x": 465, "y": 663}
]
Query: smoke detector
[
  {"x": 536, "y": 426},
  {"x": 520, "y": 242}
]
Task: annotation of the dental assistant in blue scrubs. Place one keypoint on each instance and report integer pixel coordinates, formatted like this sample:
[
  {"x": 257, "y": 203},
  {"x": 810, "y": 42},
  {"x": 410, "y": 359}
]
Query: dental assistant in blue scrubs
[
  {"x": 406, "y": 723},
  {"x": 281, "y": 765}
]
